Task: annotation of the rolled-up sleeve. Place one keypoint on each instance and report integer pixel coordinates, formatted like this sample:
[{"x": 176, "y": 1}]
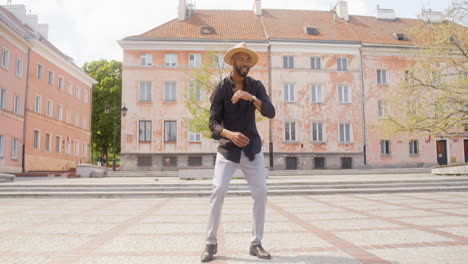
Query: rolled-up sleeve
[
  {"x": 216, "y": 112},
  {"x": 268, "y": 110}
]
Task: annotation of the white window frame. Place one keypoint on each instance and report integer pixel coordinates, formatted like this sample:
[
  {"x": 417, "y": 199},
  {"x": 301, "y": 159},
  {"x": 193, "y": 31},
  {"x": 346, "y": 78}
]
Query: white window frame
[
  {"x": 59, "y": 112},
  {"x": 60, "y": 83},
  {"x": 37, "y": 139},
  {"x": 385, "y": 148},
  {"x": 345, "y": 132},
  {"x": 84, "y": 153},
  {"x": 289, "y": 134},
  {"x": 78, "y": 92},
  {"x": 50, "y": 78},
  {"x": 381, "y": 108},
  {"x": 38, "y": 104},
  {"x": 316, "y": 93},
  {"x": 288, "y": 62},
  {"x": 50, "y": 108},
  {"x": 289, "y": 93},
  {"x": 68, "y": 113},
  {"x": 168, "y": 138},
  {"x": 194, "y": 60},
  {"x": 145, "y": 134},
  {"x": 218, "y": 61},
  {"x": 70, "y": 88},
  {"x": 414, "y": 147},
  {"x": 67, "y": 147},
  {"x": 39, "y": 71},
  {"x": 58, "y": 147},
  {"x": 48, "y": 143},
  {"x": 3, "y": 96},
  {"x": 76, "y": 148},
  {"x": 84, "y": 122},
  {"x": 2, "y": 146},
  {"x": 194, "y": 90},
  {"x": 5, "y": 58},
  {"x": 14, "y": 148},
  {"x": 382, "y": 77},
  {"x": 344, "y": 94},
  {"x": 145, "y": 91},
  {"x": 318, "y": 128},
  {"x": 170, "y": 60},
  {"x": 194, "y": 136},
  {"x": 85, "y": 95},
  {"x": 316, "y": 63},
  {"x": 146, "y": 59},
  {"x": 170, "y": 91},
  {"x": 77, "y": 119},
  {"x": 341, "y": 64},
  {"x": 16, "y": 104},
  {"x": 19, "y": 67}
]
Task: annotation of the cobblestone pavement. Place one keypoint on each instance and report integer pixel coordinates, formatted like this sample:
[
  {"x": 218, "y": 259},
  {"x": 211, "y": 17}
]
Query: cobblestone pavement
[{"x": 425, "y": 228}]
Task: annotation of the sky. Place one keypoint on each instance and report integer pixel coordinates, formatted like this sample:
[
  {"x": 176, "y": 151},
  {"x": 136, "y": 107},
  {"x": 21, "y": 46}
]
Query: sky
[{"x": 88, "y": 30}]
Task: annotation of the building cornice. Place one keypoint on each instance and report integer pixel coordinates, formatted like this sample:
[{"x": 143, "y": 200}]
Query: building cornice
[
  {"x": 13, "y": 37},
  {"x": 178, "y": 44},
  {"x": 62, "y": 63}
]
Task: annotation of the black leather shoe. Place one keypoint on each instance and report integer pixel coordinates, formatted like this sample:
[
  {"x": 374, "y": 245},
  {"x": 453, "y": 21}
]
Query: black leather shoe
[
  {"x": 259, "y": 252},
  {"x": 209, "y": 252}
]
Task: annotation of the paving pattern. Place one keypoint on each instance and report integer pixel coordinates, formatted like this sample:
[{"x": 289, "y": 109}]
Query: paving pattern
[{"x": 405, "y": 228}]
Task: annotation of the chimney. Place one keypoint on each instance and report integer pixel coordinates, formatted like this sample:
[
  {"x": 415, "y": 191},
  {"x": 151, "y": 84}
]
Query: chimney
[
  {"x": 43, "y": 29},
  {"x": 430, "y": 16},
  {"x": 257, "y": 7},
  {"x": 341, "y": 9},
  {"x": 182, "y": 10},
  {"x": 31, "y": 21},
  {"x": 387, "y": 14},
  {"x": 19, "y": 11}
]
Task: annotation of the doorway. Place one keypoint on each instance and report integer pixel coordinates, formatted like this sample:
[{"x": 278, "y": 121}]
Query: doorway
[{"x": 441, "y": 146}]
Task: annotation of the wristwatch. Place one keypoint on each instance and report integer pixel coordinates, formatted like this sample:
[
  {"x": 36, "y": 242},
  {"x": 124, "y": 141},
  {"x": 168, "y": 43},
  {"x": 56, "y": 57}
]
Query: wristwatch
[{"x": 254, "y": 98}]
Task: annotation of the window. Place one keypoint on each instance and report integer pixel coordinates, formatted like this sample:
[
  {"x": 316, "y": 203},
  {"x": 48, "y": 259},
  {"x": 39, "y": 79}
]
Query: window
[
  {"x": 343, "y": 94},
  {"x": 414, "y": 147},
  {"x": 19, "y": 67},
  {"x": 207, "y": 30},
  {"x": 37, "y": 104},
  {"x": 85, "y": 122},
  {"x": 345, "y": 132},
  {"x": 288, "y": 62},
  {"x": 16, "y": 105},
  {"x": 5, "y": 58},
  {"x": 316, "y": 93},
  {"x": 77, "y": 148},
  {"x": 70, "y": 88},
  {"x": 59, "y": 112},
  {"x": 60, "y": 83},
  {"x": 170, "y": 60},
  {"x": 170, "y": 131},
  {"x": 39, "y": 71},
  {"x": 67, "y": 147},
  {"x": 2, "y": 146},
  {"x": 2, "y": 99},
  {"x": 385, "y": 147},
  {"x": 83, "y": 150},
  {"x": 144, "y": 91},
  {"x": 290, "y": 131},
  {"x": 400, "y": 36},
  {"x": 311, "y": 31},
  {"x": 342, "y": 64},
  {"x": 77, "y": 119},
  {"x": 381, "y": 76},
  {"x": 50, "y": 79},
  {"x": 37, "y": 139},
  {"x": 317, "y": 132},
  {"x": 170, "y": 90},
  {"x": 315, "y": 63},
  {"x": 194, "y": 91},
  {"x": 289, "y": 92},
  {"x": 194, "y": 60},
  {"x": 146, "y": 59},
  {"x": 194, "y": 136},
  {"x": 78, "y": 92},
  {"x": 381, "y": 105},
  {"x": 144, "y": 131},
  {"x": 194, "y": 161},
  {"x": 68, "y": 117},
  {"x": 48, "y": 143},
  {"x": 14, "y": 148},
  {"x": 49, "y": 108},
  {"x": 58, "y": 144},
  {"x": 85, "y": 96},
  {"x": 218, "y": 61}
]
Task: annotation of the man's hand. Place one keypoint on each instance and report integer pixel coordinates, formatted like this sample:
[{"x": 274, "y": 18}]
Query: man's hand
[
  {"x": 241, "y": 95},
  {"x": 239, "y": 139}
]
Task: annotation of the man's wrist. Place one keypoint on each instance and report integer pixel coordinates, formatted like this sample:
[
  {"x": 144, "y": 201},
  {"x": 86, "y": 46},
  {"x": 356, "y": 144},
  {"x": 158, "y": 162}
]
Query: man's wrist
[{"x": 254, "y": 98}]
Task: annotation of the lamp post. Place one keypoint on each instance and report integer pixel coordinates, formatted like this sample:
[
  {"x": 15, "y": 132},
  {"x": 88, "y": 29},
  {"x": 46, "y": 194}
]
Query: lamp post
[{"x": 124, "y": 113}]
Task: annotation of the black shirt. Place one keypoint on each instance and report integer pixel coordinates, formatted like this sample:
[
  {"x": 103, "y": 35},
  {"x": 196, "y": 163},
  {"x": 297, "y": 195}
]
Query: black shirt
[{"x": 239, "y": 117}]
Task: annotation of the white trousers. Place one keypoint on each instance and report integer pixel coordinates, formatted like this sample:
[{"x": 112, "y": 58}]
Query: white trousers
[{"x": 255, "y": 175}]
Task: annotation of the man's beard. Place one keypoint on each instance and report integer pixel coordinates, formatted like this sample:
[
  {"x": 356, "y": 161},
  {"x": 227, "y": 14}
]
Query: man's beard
[{"x": 241, "y": 71}]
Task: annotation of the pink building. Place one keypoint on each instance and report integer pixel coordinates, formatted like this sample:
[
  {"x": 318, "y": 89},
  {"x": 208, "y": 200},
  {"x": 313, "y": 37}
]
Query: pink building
[
  {"x": 320, "y": 69},
  {"x": 55, "y": 111}
]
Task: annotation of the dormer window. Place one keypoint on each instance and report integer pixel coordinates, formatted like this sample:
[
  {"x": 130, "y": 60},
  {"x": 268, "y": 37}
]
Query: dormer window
[
  {"x": 311, "y": 31},
  {"x": 207, "y": 30},
  {"x": 400, "y": 36}
]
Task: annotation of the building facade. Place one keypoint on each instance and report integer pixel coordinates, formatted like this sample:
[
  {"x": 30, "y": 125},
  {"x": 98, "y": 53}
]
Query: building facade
[
  {"x": 326, "y": 72},
  {"x": 55, "y": 130}
]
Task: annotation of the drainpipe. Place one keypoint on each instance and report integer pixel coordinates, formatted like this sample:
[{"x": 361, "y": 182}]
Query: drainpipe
[
  {"x": 270, "y": 121},
  {"x": 24, "y": 111},
  {"x": 363, "y": 95}
]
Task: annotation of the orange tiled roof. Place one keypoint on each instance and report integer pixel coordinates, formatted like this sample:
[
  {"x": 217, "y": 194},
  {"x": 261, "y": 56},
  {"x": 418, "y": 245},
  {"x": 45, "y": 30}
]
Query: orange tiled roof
[{"x": 282, "y": 24}]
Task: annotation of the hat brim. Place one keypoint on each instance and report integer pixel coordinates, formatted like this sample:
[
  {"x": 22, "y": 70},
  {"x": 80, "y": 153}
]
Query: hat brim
[{"x": 230, "y": 53}]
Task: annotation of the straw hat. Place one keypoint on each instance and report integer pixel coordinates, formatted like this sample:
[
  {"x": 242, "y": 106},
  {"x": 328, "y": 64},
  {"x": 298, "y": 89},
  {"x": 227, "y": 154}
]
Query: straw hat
[{"x": 241, "y": 47}]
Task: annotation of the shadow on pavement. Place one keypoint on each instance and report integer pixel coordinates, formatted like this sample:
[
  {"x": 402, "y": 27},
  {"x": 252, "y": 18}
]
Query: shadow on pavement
[{"x": 303, "y": 259}]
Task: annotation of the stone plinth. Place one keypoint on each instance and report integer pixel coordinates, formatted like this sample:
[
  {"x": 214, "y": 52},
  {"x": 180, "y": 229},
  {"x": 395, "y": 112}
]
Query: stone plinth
[{"x": 90, "y": 171}]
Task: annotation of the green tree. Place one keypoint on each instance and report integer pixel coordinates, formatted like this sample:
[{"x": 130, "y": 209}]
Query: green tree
[
  {"x": 107, "y": 92},
  {"x": 433, "y": 97}
]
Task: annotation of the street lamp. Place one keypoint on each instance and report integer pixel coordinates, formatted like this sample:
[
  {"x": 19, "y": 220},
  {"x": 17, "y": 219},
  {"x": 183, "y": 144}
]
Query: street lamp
[{"x": 124, "y": 113}]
